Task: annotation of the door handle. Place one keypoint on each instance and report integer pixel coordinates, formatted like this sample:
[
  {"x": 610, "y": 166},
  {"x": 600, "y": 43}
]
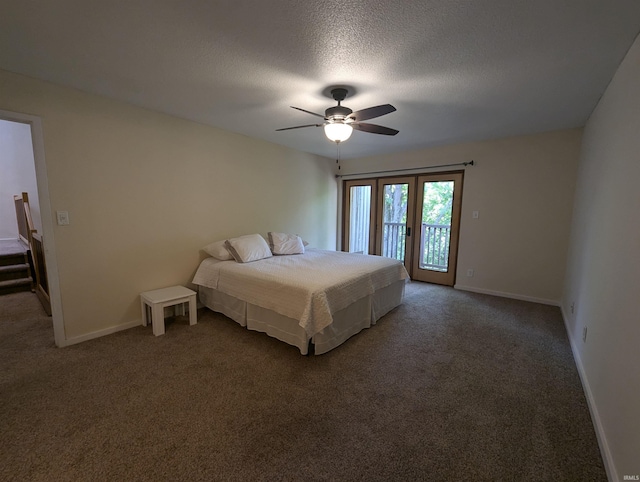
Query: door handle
[{"x": 408, "y": 230}]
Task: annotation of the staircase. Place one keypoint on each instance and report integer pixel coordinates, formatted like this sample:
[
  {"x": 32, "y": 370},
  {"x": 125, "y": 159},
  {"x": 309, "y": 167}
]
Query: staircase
[
  {"x": 22, "y": 263},
  {"x": 15, "y": 271}
]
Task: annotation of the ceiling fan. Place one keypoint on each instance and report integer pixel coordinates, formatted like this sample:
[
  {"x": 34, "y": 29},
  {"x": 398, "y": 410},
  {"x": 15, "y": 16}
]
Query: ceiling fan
[{"x": 339, "y": 121}]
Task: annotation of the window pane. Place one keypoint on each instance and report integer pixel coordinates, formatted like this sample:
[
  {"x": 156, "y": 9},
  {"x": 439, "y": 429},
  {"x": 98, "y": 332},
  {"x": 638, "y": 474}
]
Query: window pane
[
  {"x": 359, "y": 219},
  {"x": 394, "y": 220},
  {"x": 435, "y": 235}
]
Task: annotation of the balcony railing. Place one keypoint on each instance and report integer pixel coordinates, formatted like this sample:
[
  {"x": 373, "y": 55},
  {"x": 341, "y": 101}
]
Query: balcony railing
[
  {"x": 393, "y": 240},
  {"x": 434, "y": 244}
]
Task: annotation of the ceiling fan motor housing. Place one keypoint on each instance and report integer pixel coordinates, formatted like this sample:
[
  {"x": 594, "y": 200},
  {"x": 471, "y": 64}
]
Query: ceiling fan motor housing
[{"x": 337, "y": 112}]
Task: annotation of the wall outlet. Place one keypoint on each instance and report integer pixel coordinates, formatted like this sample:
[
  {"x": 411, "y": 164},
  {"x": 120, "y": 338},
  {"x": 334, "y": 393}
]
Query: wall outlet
[
  {"x": 470, "y": 273},
  {"x": 475, "y": 214},
  {"x": 584, "y": 334},
  {"x": 573, "y": 306}
]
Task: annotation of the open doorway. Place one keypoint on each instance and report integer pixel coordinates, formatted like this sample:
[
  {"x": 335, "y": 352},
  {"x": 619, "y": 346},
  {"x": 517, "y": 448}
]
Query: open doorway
[
  {"x": 24, "y": 199},
  {"x": 18, "y": 175},
  {"x": 19, "y": 209}
]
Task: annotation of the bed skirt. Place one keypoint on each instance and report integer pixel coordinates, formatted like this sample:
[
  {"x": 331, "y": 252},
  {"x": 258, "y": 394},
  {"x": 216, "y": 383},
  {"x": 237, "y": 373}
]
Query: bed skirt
[{"x": 346, "y": 322}]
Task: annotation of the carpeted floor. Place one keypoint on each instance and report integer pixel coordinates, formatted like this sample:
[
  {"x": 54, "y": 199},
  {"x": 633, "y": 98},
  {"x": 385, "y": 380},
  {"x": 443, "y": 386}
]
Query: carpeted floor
[
  {"x": 11, "y": 246},
  {"x": 449, "y": 386}
]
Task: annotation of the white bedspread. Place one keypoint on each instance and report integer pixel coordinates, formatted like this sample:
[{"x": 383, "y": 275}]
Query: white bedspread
[{"x": 309, "y": 287}]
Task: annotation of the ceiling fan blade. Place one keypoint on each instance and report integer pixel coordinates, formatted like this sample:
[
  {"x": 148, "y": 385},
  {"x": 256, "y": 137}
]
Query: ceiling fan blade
[
  {"x": 309, "y": 112},
  {"x": 372, "y": 112},
  {"x": 374, "y": 129},
  {"x": 299, "y": 127}
]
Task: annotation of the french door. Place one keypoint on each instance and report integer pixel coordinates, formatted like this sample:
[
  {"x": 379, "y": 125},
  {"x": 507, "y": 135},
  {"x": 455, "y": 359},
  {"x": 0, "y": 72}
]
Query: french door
[
  {"x": 414, "y": 219},
  {"x": 435, "y": 248},
  {"x": 394, "y": 221}
]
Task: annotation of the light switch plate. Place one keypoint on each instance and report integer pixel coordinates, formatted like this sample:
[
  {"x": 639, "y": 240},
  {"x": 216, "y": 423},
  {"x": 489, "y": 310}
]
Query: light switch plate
[
  {"x": 63, "y": 218},
  {"x": 476, "y": 214}
]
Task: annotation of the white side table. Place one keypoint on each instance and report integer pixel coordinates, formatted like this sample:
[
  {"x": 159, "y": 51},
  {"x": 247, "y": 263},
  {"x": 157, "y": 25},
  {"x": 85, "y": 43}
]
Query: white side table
[{"x": 158, "y": 300}]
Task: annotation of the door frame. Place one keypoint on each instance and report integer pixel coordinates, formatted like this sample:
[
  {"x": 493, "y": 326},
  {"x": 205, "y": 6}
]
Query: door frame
[
  {"x": 412, "y": 248},
  {"x": 346, "y": 211},
  {"x": 46, "y": 217},
  {"x": 411, "y": 198},
  {"x": 447, "y": 278}
]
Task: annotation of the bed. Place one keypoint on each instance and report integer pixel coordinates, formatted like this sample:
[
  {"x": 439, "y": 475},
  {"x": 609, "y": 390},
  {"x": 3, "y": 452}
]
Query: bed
[{"x": 316, "y": 297}]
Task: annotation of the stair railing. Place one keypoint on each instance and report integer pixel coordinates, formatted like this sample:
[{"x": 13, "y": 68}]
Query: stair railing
[
  {"x": 22, "y": 208},
  {"x": 30, "y": 236}
]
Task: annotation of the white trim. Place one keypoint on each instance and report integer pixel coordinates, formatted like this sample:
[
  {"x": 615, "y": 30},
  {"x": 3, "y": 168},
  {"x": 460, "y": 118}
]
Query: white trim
[
  {"x": 504, "y": 294},
  {"x": 612, "y": 473},
  {"x": 97, "y": 334},
  {"x": 9, "y": 239},
  {"x": 49, "y": 244}
]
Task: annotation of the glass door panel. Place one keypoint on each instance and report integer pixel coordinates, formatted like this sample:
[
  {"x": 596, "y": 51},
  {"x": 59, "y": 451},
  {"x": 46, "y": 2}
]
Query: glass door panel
[
  {"x": 435, "y": 231},
  {"x": 360, "y": 215},
  {"x": 358, "y": 230}
]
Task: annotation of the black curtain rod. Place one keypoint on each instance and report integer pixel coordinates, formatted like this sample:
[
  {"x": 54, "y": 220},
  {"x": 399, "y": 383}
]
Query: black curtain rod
[{"x": 469, "y": 163}]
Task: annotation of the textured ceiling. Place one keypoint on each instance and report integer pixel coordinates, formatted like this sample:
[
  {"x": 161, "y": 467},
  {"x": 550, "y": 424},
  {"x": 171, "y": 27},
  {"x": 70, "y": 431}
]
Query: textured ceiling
[{"x": 455, "y": 70}]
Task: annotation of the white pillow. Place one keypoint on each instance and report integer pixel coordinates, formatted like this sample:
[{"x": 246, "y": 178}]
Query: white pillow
[
  {"x": 251, "y": 247},
  {"x": 282, "y": 243},
  {"x": 218, "y": 250}
]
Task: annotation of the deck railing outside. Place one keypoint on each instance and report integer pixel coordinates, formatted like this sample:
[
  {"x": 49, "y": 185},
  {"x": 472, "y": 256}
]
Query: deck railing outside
[
  {"x": 434, "y": 244},
  {"x": 393, "y": 240}
]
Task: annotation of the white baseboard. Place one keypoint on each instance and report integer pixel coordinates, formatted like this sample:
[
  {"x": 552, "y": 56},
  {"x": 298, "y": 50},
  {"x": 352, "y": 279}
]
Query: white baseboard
[
  {"x": 504, "y": 294},
  {"x": 605, "y": 452},
  {"x": 97, "y": 334}
]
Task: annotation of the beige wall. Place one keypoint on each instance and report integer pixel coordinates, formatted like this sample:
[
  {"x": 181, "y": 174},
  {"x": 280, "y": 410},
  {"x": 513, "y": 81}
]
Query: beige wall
[
  {"x": 603, "y": 273},
  {"x": 523, "y": 189},
  {"x": 18, "y": 175},
  {"x": 145, "y": 191}
]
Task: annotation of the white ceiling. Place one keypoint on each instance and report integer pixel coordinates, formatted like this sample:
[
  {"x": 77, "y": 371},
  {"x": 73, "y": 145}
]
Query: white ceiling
[{"x": 455, "y": 70}]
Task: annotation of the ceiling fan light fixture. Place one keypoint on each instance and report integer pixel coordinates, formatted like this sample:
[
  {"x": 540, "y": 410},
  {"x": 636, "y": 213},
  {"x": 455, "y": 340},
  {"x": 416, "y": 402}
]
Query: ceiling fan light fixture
[{"x": 338, "y": 131}]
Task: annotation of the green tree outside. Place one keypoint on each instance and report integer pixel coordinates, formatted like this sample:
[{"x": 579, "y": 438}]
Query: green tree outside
[{"x": 438, "y": 201}]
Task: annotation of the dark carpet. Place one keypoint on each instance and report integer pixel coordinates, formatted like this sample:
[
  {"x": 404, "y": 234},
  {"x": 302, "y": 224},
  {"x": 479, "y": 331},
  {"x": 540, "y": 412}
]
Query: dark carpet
[{"x": 449, "y": 386}]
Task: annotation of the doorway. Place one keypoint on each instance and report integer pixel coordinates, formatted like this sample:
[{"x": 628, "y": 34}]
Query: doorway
[
  {"x": 415, "y": 219},
  {"x": 36, "y": 140}
]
